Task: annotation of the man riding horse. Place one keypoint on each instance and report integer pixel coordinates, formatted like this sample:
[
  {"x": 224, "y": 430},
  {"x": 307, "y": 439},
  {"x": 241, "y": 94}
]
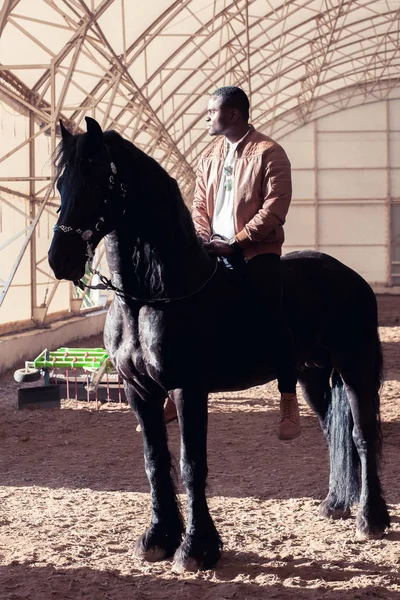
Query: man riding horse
[{"x": 243, "y": 192}]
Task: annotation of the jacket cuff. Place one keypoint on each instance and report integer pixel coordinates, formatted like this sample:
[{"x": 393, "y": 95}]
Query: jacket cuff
[{"x": 243, "y": 239}]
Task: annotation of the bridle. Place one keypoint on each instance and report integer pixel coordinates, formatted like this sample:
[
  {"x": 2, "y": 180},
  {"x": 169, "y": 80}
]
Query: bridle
[{"x": 87, "y": 236}]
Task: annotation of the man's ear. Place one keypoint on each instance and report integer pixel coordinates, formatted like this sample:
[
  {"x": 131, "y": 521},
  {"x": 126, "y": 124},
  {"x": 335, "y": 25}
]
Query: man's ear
[{"x": 235, "y": 115}]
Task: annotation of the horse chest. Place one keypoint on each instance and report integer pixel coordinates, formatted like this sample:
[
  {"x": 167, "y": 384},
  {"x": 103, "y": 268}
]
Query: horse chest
[
  {"x": 162, "y": 346},
  {"x": 150, "y": 336},
  {"x": 137, "y": 354}
]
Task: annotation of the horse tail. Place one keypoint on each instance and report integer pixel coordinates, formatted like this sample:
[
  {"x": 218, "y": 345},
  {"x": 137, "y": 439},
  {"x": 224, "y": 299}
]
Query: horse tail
[{"x": 344, "y": 459}]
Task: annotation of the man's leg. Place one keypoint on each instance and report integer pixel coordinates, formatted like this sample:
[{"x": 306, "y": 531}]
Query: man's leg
[{"x": 265, "y": 274}]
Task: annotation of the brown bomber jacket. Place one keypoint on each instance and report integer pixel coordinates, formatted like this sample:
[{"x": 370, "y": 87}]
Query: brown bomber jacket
[{"x": 262, "y": 192}]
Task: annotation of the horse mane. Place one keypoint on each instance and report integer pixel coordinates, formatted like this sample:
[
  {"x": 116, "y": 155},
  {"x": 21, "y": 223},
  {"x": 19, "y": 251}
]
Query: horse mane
[
  {"x": 161, "y": 191},
  {"x": 69, "y": 151},
  {"x": 166, "y": 226}
]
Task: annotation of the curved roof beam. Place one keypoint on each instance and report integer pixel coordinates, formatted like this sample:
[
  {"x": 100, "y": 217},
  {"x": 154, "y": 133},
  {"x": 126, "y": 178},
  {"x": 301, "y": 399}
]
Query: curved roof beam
[
  {"x": 82, "y": 28},
  {"x": 387, "y": 17},
  {"x": 328, "y": 104},
  {"x": 199, "y": 32},
  {"x": 303, "y": 44},
  {"x": 301, "y": 113},
  {"x": 256, "y": 71},
  {"x": 145, "y": 39},
  {"x": 349, "y": 59},
  {"x": 6, "y": 9},
  {"x": 356, "y": 95},
  {"x": 211, "y": 34},
  {"x": 182, "y": 163},
  {"x": 263, "y": 43},
  {"x": 185, "y": 106},
  {"x": 111, "y": 80}
]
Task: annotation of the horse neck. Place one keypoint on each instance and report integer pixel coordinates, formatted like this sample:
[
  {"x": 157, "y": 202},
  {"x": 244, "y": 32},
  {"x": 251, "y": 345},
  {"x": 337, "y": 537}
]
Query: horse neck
[{"x": 163, "y": 260}]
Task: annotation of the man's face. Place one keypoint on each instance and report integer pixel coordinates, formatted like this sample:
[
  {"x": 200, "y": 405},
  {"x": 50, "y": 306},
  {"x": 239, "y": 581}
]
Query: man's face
[{"x": 218, "y": 117}]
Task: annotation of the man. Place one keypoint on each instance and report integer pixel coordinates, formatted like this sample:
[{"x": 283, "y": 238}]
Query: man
[{"x": 242, "y": 195}]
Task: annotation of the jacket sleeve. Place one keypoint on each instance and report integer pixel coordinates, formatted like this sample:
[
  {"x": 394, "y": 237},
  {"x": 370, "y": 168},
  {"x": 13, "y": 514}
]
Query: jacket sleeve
[
  {"x": 276, "y": 193},
  {"x": 200, "y": 217}
]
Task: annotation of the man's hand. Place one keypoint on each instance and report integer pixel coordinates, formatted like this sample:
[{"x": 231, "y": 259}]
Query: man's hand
[{"x": 219, "y": 248}]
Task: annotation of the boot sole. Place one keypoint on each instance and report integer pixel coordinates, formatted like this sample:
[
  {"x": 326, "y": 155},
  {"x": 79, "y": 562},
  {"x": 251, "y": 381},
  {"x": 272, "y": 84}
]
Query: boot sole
[{"x": 285, "y": 438}]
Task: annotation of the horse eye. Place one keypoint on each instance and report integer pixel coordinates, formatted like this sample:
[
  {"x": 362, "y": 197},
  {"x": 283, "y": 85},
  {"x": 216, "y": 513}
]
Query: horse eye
[{"x": 58, "y": 209}]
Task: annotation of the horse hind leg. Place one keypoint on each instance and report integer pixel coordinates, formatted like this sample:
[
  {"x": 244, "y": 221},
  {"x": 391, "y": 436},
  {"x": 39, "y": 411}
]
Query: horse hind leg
[
  {"x": 334, "y": 422},
  {"x": 316, "y": 389},
  {"x": 362, "y": 389}
]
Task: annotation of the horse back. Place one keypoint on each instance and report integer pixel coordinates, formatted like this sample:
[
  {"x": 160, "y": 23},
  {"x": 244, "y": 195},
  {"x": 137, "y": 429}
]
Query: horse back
[{"x": 323, "y": 295}]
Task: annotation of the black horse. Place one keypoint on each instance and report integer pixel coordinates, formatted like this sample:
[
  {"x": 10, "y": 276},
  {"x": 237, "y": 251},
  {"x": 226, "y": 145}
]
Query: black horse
[{"x": 181, "y": 325}]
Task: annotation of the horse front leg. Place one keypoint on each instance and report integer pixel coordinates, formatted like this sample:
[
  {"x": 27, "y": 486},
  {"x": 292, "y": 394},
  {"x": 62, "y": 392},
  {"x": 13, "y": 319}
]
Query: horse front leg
[
  {"x": 164, "y": 534},
  {"x": 201, "y": 547}
]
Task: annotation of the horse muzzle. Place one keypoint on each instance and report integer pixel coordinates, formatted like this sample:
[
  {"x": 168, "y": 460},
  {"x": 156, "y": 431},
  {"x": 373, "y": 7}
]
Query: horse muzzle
[{"x": 67, "y": 257}]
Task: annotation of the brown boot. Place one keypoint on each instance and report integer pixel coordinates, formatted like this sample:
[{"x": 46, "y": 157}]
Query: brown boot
[
  {"x": 289, "y": 423},
  {"x": 170, "y": 413}
]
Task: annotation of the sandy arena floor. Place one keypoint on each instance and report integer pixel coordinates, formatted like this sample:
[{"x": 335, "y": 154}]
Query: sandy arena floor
[{"x": 74, "y": 498}]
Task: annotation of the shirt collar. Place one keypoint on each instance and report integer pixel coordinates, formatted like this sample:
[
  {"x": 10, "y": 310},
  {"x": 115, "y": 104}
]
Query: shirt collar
[{"x": 234, "y": 145}]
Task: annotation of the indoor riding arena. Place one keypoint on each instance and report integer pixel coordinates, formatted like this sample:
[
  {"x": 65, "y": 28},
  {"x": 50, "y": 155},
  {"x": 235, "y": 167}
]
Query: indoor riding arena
[{"x": 90, "y": 225}]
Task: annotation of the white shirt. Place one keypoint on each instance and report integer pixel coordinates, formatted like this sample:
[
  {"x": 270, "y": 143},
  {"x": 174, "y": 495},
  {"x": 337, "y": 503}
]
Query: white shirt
[{"x": 223, "y": 222}]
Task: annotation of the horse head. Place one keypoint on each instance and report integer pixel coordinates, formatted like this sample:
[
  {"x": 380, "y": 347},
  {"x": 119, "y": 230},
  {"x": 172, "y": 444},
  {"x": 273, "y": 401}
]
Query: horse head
[{"x": 85, "y": 179}]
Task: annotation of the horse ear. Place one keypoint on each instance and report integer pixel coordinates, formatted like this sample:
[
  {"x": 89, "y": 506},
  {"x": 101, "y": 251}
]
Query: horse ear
[
  {"x": 93, "y": 128},
  {"x": 65, "y": 134}
]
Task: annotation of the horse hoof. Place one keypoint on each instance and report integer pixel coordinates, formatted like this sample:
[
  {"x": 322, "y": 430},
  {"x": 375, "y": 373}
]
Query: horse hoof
[
  {"x": 151, "y": 555},
  {"x": 333, "y": 513},
  {"x": 363, "y": 536},
  {"x": 184, "y": 566},
  {"x": 196, "y": 554}
]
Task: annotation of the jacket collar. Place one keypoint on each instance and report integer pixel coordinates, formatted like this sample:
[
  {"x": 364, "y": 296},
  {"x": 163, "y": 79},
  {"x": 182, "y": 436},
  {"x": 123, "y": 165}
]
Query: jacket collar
[
  {"x": 242, "y": 142},
  {"x": 218, "y": 148}
]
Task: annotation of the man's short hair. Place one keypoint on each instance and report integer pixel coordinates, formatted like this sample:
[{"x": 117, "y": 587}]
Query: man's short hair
[{"x": 234, "y": 97}]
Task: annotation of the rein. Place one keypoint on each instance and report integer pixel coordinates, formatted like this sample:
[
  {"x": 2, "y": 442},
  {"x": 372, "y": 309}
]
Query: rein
[{"x": 106, "y": 284}]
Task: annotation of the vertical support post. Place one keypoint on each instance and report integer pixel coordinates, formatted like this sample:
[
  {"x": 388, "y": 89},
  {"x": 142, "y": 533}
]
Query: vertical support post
[
  {"x": 39, "y": 312},
  {"x": 32, "y": 212},
  {"x": 316, "y": 191},
  {"x": 123, "y": 29},
  {"x": 248, "y": 54},
  {"x": 119, "y": 391},
  {"x": 388, "y": 220},
  {"x": 53, "y": 108},
  {"x": 46, "y": 372},
  {"x": 76, "y": 387}
]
